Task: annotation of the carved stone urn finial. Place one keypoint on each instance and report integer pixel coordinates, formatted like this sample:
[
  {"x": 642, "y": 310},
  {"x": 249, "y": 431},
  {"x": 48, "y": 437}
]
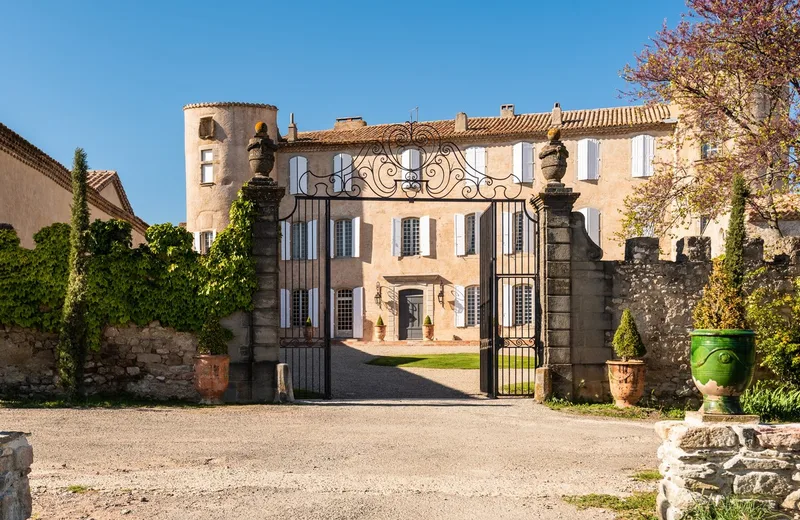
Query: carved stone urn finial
[
  {"x": 261, "y": 151},
  {"x": 554, "y": 158}
]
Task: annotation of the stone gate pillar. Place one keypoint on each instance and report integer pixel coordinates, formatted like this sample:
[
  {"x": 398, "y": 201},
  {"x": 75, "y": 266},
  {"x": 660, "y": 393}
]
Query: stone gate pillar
[
  {"x": 267, "y": 195},
  {"x": 554, "y": 206}
]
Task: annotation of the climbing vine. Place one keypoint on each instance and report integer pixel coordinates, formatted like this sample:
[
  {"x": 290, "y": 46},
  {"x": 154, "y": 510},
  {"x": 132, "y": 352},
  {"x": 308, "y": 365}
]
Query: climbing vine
[{"x": 162, "y": 280}]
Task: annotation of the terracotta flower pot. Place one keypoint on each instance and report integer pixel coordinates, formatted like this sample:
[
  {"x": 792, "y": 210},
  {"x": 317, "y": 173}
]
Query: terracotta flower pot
[
  {"x": 308, "y": 334},
  {"x": 723, "y": 362},
  {"x": 211, "y": 377},
  {"x": 626, "y": 379},
  {"x": 380, "y": 330},
  {"x": 427, "y": 331}
]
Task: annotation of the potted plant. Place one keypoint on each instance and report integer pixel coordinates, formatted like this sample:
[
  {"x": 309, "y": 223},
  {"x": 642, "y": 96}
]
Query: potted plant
[
  {"x": 308, "y": 330},
  {"x": 380, "y": 328},
  {"x": 427, "y": 328},
  {"x": 626, "y": 375},
  {"x": 723, "y": 352},
  {"x": 212, "y": 363}
]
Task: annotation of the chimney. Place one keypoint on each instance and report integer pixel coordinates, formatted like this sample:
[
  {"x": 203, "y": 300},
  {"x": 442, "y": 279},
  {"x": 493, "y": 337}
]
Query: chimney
[
  {"x": 349, "y": 123},
  {"x": 555, "y": 115},
  {"x": 506, "y": 111},
  {"x": 462, "y": 124},
  {"x": 292, "y": 135}
]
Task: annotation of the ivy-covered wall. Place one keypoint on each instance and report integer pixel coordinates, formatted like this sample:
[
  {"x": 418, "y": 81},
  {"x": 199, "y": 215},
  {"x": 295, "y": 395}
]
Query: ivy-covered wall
[{"x": 162, "y": 280}]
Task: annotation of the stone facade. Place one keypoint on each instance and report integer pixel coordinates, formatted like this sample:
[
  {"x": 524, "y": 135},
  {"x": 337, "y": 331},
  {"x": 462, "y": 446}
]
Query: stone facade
[
  {"x": 16, "y": 457},
  {"x": 151, "y": 362},
  {"x": 706, "y": 461}
]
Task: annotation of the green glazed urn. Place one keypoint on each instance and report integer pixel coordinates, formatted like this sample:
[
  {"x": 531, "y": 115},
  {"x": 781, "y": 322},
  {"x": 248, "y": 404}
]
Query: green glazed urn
[{"x": 723, "y": 362}]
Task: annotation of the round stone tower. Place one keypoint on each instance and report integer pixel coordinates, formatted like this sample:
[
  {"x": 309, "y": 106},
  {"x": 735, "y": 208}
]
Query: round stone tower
[{"x": 215, "y": 149}]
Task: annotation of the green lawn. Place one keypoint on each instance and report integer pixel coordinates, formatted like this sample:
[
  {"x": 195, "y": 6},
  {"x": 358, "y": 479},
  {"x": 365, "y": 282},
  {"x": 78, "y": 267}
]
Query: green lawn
[
  {"x": 461, "y": 361},
  {"x": 638, "y": 506}
]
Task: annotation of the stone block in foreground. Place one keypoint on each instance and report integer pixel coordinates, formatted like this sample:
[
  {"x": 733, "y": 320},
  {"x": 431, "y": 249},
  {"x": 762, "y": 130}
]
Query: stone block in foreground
[
  {"x": 707, "y": 460},
  {"x": 16, "y": 457}
]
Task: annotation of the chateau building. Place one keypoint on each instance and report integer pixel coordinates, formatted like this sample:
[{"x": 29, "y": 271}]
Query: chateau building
[
  {"x": 37, "y": 191},
  {"x": 403, "y": 261}
]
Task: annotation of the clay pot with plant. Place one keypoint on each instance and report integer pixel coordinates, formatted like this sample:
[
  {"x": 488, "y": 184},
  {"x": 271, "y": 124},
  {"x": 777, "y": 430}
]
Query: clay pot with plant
[
  {"x": 212, "y": 363},
  {"x": 723, "y": 351},
  {"x": 308, "y": 330},
  {"x": 626, "y": 375},
  {"x": 427, "y": 328},
  {"x": 380, "y": 329}
]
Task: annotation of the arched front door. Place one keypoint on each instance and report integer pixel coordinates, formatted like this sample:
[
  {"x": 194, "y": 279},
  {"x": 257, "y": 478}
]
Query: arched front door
[{"x": 410, "y": 326}]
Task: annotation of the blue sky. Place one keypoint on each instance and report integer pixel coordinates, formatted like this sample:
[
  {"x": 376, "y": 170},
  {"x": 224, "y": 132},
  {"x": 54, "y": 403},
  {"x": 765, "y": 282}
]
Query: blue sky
[{"x": 112, "y": 77}]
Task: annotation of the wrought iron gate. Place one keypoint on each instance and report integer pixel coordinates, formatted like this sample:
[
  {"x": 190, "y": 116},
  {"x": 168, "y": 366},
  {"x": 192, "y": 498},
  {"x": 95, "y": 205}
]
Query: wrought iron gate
[{"x": 510, "y": 321}]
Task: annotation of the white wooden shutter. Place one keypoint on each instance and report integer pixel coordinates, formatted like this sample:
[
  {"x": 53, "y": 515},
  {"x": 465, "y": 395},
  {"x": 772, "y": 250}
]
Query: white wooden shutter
[
  {"x": 343, "y": 172},
  {"x": 298, "y": 181},
  {"x": 196, "y": 242},
  {"x": 425, "y": 236},
  {"x": 311, "y": 236},
  {"x": 313, "y": 306},
  {"x": 637, "y": 156},
  {"x": 410, "y": 161},
  {"x": 528, "y": 239},
  {"x": 332, "y": 308},
  {"x": 286, "y": 305},
  {"x": 592, "y": 218},
  {"x": 459, "y": 223},
  {"x": 331, "y": 238},
  {"x": 286, "y": 240},
  {"x": 523, "y": 162},
  {"x": 356, "y": 227},
  {"x": 588, "y": 159},
  {"x": 338, "y": 181},
  {"x": 358, "y": 312},
  {"x": 508, "y": 233},
  {"x": 649, "y": 154},
  {"x": 459, "y": 308},
  {"x": 476, "y": 163},
  {"x": 397, "y": 236},
  {"x": 478, "y": 231},
  {"x": 508, "y": 305}
]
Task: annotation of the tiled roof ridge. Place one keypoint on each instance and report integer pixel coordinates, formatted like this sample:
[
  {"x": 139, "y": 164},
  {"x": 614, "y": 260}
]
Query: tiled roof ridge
[
  {"x": 229, "y": 104},
  {"x": 105, "y": 177},
  {"x": 28, "y": 153}
]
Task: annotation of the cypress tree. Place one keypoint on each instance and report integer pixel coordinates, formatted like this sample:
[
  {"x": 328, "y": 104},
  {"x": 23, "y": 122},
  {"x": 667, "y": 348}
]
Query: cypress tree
[
  {"x": 73, "y": 339},
  {"x": 734, "y": 241}
]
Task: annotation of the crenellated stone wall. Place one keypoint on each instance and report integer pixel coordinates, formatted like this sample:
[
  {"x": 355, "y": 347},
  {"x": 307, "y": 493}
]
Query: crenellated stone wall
[
  {"x": 152, "y": 362},
  {"x": 706, "y": 461},
  {"x": 16, "y": 457}
]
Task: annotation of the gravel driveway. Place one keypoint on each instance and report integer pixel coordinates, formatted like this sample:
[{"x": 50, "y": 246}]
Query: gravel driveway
[{"x": 379, "y": 459}]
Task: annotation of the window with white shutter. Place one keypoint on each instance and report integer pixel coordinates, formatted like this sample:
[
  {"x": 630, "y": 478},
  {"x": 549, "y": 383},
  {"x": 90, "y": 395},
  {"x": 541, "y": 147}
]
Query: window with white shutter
[
  {"x": 476, "y": 164},
  {"x": 410, "y": 161},
  {"x": 344, "y": 238},
  {"x": 523, "y": 162},
  {"x": 298, "y": 177},
  {"x": 299, "y": 241},
  {"x": 471, "y": 229},
  {"x": 342, "y": 172},
  {"x": 473, "y": 293},
  {"x": 299, "y": 307},
  {"x": 206, "y": 166},
  {"x": 591, "y": 217},
  {"x": 588, "y": 159},
  {"x": 642, "y": 154},
  {"x": 410, "y": 236},
  {"x": 523, "y": 304}
]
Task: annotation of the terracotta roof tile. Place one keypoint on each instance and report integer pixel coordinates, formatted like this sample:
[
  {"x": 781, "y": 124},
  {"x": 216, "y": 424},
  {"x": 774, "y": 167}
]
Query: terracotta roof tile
[
  {"x": 15, "y": 145},
  {"x": 99, "y": 179},
  {"x": 230, "y": 104},
  {"x": 574, "y": 122}
]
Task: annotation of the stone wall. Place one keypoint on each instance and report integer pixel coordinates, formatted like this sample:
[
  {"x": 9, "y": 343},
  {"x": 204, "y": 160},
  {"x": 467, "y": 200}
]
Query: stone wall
[
  {"x": 16, "y": 457},
  {"x": 152, "y": 362},
  {"x": 704, "y": 461}
]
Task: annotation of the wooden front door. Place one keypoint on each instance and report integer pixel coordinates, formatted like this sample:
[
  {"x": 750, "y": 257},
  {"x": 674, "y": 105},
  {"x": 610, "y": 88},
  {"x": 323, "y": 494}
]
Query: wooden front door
[{"x": 411, "y": 314}]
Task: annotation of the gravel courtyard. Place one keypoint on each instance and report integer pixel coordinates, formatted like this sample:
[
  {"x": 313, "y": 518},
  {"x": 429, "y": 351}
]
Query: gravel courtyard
[{"x": 375, "y": 459}]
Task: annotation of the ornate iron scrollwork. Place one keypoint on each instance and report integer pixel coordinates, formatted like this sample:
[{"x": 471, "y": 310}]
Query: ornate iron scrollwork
[{"x": 439, "y": 171}]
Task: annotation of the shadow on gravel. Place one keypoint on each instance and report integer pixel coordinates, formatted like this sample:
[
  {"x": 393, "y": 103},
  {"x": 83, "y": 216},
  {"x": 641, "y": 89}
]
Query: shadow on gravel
[{"x": 388, "y": 404}]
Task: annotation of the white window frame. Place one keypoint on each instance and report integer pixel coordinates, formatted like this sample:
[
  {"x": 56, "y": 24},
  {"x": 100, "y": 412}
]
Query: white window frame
[
  {"x": 206, "y": 165},
  {"x": 472, "y": 306},
  {"x": 475, "y": 157},
  {"x": 342, "y": 172},
  {"x": 642, "y": 155},
  {"x": 412, "y": 170},
  {"x": 205, "y": 239},
  {"x": 523, "y": 297},
  {"x": 300, "y": 308},
  {"x": 341, "y": 298},
  {"x": 410, "y": 246},
  {"x": 343, "y": 245}
]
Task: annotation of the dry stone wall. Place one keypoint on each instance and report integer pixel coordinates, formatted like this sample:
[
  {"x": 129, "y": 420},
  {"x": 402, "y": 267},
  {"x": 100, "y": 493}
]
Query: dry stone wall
[
  {"x": 708, "y": 461},
  {"x": 16, "y": 457},
  {"x": 152, "y": 362}
]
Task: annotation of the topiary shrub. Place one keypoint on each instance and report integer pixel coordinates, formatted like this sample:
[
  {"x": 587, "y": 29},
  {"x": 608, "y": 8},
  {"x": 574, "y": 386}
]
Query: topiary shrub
[
  {"x": 722, "y": 305},
  {"x": 213, "y": 338},
  {"x": 427, "y": 321},
  {"x": 379, "y": 323},
  {"x": 627, "y": 342},
  {"x": 735, "y": 237},
  {"x": 309, "y": 323}
]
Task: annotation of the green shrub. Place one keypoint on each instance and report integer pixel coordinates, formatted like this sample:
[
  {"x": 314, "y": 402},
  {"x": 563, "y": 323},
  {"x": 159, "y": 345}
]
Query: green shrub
[
  {"x": 729, "y": 508},
  {"x": 309, "y": 323},
  {"x": 772, "y": 401},
  {"x": 213, "y": 338},
  {"x": 627, "y": 341},
  {"x": 734, "y": 238},
  {"x": 427, "y": 321},
  {"x": 379, "y": 323},
  {"x": 722, "y": 305},
  {"x": 776, "y": 319}
]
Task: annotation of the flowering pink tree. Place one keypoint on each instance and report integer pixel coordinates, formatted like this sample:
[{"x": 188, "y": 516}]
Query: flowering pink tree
[{"x": 732, "y": 67}]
